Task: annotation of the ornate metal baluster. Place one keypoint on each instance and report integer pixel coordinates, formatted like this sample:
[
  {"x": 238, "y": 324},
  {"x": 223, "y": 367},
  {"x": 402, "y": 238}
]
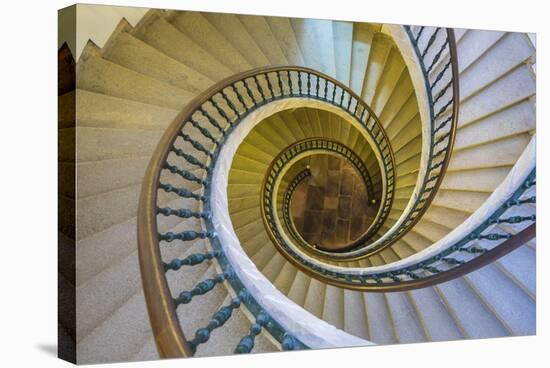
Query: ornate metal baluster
[
  {"x": 183, "y": 213},
  {"x": 280, "y": 83},
  {"x": 191, "y": 260},
  {"x": 247, "y": 343},
  {"x": 260, "y": 88},
  {"x": 203, "y": 131},
  {"x": 430, "y": 42},
  {"x": 440, "y": 75},
  {"x": 182, "y": 192},
  {"x": 185, "y": 174},
  {"x": 291, "y": 85},
  {"x": 195, "y": 144},
  {"x": 211, "y": 120},
  {"x": 230, "y": 104},
  {"x": 269, "y": 85},
  {"x": 219, "y": 318},
  {"x": 202, "y": 288},
  {"x": 419, "y": 34},
  {"x": 249, "y": 92},
  {"x": 442, "y": 92},
  {"x": 185, "y": 235},
  {"x": 191, "y": 159},
  {"x": 289, "y": 342},
  {"x": 438, "y": 55},
  {"x": 443, "y": 108},
  {"x": 220, "y": 111},
  {"x": 239, "y": 97}
]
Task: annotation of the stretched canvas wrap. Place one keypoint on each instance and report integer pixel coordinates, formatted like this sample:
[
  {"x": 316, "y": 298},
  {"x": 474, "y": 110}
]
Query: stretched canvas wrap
[{"x": 236, "y": 184}]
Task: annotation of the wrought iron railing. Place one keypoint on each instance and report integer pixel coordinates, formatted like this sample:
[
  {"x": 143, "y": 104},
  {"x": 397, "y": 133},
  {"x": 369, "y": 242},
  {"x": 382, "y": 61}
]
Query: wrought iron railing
[
  {"x": 484, "y": 244},
  {"x": 286, "y": 205},
  {"x": 432, "y": 46},
  {"x": 192, "y": 144},
  {"x": 435, "y": 49},
  {"x": 286, "y": 158}
]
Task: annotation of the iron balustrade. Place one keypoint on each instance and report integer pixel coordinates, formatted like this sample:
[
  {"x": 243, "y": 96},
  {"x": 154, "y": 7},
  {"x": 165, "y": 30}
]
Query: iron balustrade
[
  {"x": 483, "y": 245},
  {"x": 435, "y": 49},
  {"x": 317, "y": 146},
  {"x": 188, "y": 151},
  {"x": 287, "y": 199}
]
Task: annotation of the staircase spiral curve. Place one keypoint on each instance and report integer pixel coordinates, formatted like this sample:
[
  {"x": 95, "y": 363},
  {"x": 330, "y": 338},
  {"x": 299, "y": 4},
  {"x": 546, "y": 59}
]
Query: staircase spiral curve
[{"x": 440, "y": 125}]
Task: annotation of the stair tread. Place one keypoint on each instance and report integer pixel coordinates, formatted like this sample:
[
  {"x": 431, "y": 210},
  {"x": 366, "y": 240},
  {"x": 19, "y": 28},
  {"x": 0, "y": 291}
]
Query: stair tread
[
  {"x": 381, "y": 329},
  {"x": 404, "y": 317},
  {"x": 508, "y": 301},
  {"x": 437, "y": 321},
  {"x": 472, "y": 314},
  {"x": 104, "y": 111},
  {"x": 202, "y": 32},
  {"x": 162, "y": 35},
  {"x": 134, "y": 54},
  {"x": 101, "y": 76}
]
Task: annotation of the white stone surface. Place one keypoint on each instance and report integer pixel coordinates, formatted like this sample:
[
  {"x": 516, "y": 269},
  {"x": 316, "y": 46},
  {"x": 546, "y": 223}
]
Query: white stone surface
[{"x": 311, "y": 330}]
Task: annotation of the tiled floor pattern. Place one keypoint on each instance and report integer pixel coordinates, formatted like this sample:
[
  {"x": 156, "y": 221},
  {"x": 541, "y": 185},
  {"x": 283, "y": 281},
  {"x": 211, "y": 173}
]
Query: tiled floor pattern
[{"x": 329, "y": 209}]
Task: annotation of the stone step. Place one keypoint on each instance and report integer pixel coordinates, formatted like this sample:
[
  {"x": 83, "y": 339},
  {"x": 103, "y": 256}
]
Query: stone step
[
  {"x": 99, "y": 212},
  {"x": 314, "y": 300},
  {"x": 132, "y": 53},
  {"x": 119, "y": 337},
  {"x": 281, "y": 29},
  {"x": 310, "y": 33},
  {"x": 504, "y": 152},
  {"x": 509, "y": 302},
  {"x": 259, "y": 29},
  {"x": 474, "y": 44},
  {"x": 160, "y": 34},
  {"x": 394, "y": 69},
  {"x": 106, "y": 292},
  {"x": 235, "y": 32},
  {"x": 469, "y": 311},
  {"x": 147, "y": 352},
  {"x": 103, "y": 249},
  {"x": 285, "y": 278},
  {"x": 225, "y": 339},
  {"x": 509, "y": 51},
  {"x": 516, "y": 119},
  {"x": 203, "y": 33},
  {"x": 298, "y": 290},
  {"x": 333, "y": 309},
  {"x": 381, "y": 47},
  {"x": 520, "y": 264},
  {"x": 355, "y": 318},
  {"x": 103, "y": 111},
  {"x": 362, "y": 44},
  {"x": 509, "y": 89},
  {"x": 434, "y": 316},
  {"x": 342, "y": 34},
  {"x": 273, "y": 268},
  {"x": 404, "y": 316},
  {"x": 381, "y": 327},
  {"x": 101, "y": 76}
]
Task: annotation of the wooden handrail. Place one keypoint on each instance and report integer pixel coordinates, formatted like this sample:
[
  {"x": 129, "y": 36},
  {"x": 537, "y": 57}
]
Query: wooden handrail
[{"x": 169, "y": 337}]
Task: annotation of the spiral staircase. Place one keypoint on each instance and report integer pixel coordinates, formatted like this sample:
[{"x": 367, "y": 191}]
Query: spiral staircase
[{"x": 195, "y": 129}]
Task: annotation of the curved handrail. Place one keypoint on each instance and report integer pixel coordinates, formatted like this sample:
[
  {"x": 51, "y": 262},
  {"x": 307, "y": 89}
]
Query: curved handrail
[
  {"x": 286, "y": 158},
  {"x": 221, "y": 108},
  {"x": 442, "y": 88},
  {"x": 486, "y": 242},
  {"x": 414, "y": 276},
  {"x": 287, "y": 200}
]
